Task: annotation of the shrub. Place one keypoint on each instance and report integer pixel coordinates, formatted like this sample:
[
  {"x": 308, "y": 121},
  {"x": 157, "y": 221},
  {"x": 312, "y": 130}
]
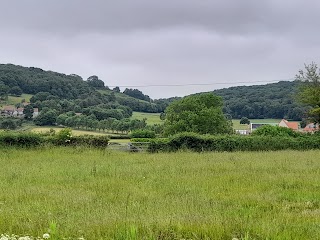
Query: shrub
[
  {"x": 20, "y": 139},
  {"x": 89, "y": 140},
  {"x": 119, "y": 137},
  {"x": 198, "y": 143},
  {"x": 143, "y": 134},
  {"x": 140, "y": 140},
  {"x": 274, "y": 131}
]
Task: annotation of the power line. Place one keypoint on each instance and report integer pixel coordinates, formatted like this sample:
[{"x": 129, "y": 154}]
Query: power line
[{"x": 196, "y": 84}]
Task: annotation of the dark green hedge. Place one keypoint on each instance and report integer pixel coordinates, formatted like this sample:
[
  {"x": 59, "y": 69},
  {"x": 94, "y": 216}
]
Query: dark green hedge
[
  {"x": 119, "y": 136},
  {"x": 84, "y": 140},
  {"x": 229, "y": 143},
  {"x": 143, "y": 133},
  {"x": 20, "y": 139}
]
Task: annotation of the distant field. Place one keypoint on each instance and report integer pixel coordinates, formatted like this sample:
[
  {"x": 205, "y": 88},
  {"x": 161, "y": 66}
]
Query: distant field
[
  {"x": 74, "y": 132},
  {"x": 152, "y": 118},
  {"x": 14, "y": 100},
  {"x": 238, "y": 126},
  {"x": 99, "y": 194}
]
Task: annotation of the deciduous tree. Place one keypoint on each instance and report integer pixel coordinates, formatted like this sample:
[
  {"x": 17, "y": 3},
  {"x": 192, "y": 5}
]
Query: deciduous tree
[{"x": 201, "y": 113}]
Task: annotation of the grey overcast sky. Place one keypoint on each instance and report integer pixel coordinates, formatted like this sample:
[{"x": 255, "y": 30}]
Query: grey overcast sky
[{"x": 148, "y": 42}]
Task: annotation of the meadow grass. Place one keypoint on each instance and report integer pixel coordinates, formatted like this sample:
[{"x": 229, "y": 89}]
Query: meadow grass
[
  {"x": 75, "y": 132},
  {"x": 12, "y": 100},
  {"x": 101, "y": 194},
  {"x": 152, "y": 118}
]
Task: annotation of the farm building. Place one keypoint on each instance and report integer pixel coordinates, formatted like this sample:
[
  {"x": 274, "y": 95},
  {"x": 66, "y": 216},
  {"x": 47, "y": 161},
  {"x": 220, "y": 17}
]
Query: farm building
[{"x": 293, "y": 125}]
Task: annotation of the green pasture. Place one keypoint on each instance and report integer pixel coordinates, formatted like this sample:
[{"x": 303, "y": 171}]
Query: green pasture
[
  {"x": 14, "y": 100},
  {"x": 101, "y": 194},
  {"x": 74, "y": 131},
  {"x": 238, "y": 126},
  {"x": 152, "y": 118}
]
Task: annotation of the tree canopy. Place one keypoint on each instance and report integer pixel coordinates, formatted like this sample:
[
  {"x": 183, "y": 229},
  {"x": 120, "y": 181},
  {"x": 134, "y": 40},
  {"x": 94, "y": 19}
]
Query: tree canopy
[
  {"x": 201, "y": 113},
  {"x": 310, "y": 90}
]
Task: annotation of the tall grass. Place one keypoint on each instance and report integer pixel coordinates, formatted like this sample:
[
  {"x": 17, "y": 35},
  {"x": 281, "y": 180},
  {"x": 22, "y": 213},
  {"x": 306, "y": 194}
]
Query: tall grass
[{"x": 100, "y": 194}]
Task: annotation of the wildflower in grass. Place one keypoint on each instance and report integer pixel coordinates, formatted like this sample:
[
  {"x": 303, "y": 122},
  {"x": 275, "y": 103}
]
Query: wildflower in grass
[
  {"x": 3, "y": 237},
  {"x": 46, "y": 236},
  {"x": 24, "y": 238}
]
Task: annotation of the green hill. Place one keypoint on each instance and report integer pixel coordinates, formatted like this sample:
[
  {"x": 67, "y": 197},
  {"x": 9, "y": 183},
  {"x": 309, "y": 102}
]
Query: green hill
[{"x": 276, "y": 100}]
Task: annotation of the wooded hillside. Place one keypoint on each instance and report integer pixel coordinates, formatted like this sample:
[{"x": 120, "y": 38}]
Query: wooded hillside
[{"x": 276, "y": 100}]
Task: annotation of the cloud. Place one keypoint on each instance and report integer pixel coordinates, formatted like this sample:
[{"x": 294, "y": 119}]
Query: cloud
[{"x": 143, "y": 42}]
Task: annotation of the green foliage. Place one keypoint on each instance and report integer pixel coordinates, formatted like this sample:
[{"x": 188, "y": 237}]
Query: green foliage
[
  {"x": 28, "y": 112},
  {"x": 119, "y": 136},
  {"x": 95, "y": 82},
  {"x": 140, "y": 140},
  {"x": 310, "y": 90},
  {"x": 46, "y": 117},
  {"x": 143, "y": 134},
  {"x": 198, "y": 143},
  {"x": 275, "y": 100},
  {"x": 20, "y": 139},
  {"x": 9, "y": 123},
  {"x": 200, "y": 113},
  {"x": 162, "y": 116},
  {"x": 3, "y": 91},
  {"x": 244, "y": 120},
  {"x": 135, "y": 93},
  {"x": 64, "y": 136},
  {"x": 16, "y": 91},
  {"x": 91, "y": 141},
  {"x": 275, "y": 131}
]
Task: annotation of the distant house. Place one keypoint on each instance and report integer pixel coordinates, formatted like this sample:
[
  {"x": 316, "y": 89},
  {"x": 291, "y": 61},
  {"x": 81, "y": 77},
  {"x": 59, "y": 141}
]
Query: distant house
[
  {"x": 20, "y": 111},
  {"x": 35, "y": 112},
  {"x": 8, "y": 111},
  {"x": 243, "y": 132},
  {"x": 311, "y": 127},
  {"x": 254, "y": 126},
  {"x": 292, "y": 125}
]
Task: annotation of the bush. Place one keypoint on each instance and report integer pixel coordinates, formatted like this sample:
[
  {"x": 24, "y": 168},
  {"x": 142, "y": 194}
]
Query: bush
[
  {"x": 20, "y": 139},
  {"x": 275, "y": 131},
  {"x": 198, "y": 143},
  {"x": 143, "y": 134},
  {"x": 91, "y": 141},
  {"x": 140, "y": 140},
  {"x": 119, "y": 136}
]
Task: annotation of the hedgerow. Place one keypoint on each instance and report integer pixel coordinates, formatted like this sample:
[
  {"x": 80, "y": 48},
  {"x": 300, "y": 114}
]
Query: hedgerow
[
  {"x": 8, "y": 138},
  {"x": 229, "y": 143},
  {"x": 63, "y": 138}
]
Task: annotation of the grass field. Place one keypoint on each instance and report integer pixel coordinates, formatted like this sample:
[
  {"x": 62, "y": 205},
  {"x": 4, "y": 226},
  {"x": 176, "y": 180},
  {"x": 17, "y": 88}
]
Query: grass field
[
  {"x": 14, "y": 100},
  {"x": 74, "y": 131},
  {"x": 152, "y": 118},
  {"x": 238, "y": 126},
  {"x": 102, "y": 194}
]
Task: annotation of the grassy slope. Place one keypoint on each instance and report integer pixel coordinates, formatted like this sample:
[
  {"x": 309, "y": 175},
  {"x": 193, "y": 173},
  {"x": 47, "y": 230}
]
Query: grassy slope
[
  {"x": 152, "y": 118},
  {"x": 14, "y": 100},
  {"x": 112, "y": 195},
  {"x": 74, "y": 131}
]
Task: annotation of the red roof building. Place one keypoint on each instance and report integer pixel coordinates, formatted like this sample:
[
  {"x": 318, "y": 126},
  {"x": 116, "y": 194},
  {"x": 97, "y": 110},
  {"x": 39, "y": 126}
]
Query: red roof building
[{"x": 292, "y": 125}]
